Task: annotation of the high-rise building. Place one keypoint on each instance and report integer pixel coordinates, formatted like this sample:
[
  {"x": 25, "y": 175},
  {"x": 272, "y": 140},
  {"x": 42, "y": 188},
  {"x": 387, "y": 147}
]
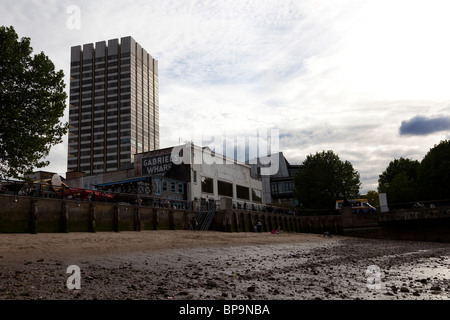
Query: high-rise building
[{"x": 114, "y": 108}]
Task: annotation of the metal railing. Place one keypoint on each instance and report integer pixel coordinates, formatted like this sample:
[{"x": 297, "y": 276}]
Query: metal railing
[
  {"x": 417, "y": 205},
  {"x": 46, "y": 190}
]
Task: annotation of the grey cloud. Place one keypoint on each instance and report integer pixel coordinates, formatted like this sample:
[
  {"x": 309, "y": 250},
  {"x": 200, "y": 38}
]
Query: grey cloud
[{"x": 420, "y": 125}]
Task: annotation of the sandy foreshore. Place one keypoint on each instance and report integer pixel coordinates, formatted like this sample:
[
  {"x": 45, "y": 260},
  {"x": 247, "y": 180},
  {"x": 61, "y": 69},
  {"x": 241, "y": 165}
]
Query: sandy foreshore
[{"x": 172, "y": 265}]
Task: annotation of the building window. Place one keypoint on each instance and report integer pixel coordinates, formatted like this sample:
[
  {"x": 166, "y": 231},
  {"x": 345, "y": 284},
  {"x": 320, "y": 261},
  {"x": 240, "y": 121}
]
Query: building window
[
  {"x": 274, "y": 187},
  {"x": 173, "y": 187},
  {"x": 207, "y": 185},
  {"x": 194, "y": 176},
  {"x": 164, "y": 186},
  {"x": 157, "y": 187},
  {"x": 242, "y": 192},
  {"x": 289, "y": 186},
  {"x": 256, "y": 195},
  {"x": 225, "y": 188},
  {"x": 180, "y": 188}
]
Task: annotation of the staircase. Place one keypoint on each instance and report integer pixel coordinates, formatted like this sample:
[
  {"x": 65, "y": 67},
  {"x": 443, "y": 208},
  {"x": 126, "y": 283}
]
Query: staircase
[
  {"x": 204, "y": 219},
  {"x": 205, "y": 216}
]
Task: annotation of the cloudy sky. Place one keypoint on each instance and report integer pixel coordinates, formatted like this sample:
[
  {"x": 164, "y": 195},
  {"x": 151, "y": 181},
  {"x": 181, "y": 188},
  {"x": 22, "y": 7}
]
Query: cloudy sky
[{"x": 368, "y": 79}]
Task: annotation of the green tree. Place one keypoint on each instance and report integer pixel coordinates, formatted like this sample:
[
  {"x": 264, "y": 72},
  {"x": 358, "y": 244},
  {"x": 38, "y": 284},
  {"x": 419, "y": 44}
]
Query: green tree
[
  {"x": 323, "y": 179},
  {"x": 402, "y": 189},
  {"x": 32, "y": 101},
  {"x": 434, "y": 173},
  {"x": 408, "y": 166},
  {"x": 373, "y": 198}
]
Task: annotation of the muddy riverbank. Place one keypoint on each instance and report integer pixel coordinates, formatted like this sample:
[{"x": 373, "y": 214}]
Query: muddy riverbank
[{"x": 174, "y": 265}]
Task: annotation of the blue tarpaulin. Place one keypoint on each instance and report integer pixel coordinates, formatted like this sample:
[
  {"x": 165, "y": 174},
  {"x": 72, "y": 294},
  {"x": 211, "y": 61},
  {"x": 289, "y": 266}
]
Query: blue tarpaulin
[{"x": 120, "y": 182}]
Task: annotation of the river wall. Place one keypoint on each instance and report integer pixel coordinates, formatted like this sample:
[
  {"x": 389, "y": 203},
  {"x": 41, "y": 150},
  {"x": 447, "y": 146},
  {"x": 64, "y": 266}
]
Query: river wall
[
  {"x": 22, "y": 214},
  {"x": 36, "y": 215}
]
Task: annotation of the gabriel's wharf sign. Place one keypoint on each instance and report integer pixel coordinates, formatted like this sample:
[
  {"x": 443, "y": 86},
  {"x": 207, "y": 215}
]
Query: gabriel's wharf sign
[{"x": 157, "y": 164}]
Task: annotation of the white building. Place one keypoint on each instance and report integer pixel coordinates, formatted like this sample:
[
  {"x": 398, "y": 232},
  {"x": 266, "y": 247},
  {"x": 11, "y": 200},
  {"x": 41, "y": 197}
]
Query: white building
[
  {"x": 203, "y": 174},
  {"x": 208, "y": 175}
]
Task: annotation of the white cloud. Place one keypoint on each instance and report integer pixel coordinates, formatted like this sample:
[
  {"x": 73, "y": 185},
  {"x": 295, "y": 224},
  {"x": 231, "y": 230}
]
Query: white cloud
[{"x": 339, "y": 75}]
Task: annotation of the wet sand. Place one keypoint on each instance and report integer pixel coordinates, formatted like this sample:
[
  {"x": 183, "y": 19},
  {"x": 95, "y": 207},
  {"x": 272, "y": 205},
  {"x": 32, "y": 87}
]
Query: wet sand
[{"x": 187, "y": 265}]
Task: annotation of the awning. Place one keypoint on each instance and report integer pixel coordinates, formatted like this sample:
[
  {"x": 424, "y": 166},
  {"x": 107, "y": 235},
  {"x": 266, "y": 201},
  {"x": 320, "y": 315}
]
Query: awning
[{"x": 120, "y": 182}]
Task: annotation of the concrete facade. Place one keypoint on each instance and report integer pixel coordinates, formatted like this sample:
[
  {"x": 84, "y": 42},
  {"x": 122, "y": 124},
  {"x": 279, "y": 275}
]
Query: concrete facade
[
  {"x": 208, "y": 175},
  {"x": 113, "y": 105}
]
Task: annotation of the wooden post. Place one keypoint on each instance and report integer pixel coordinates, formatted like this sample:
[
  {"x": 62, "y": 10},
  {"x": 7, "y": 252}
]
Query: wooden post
[
  {"x": 186, "y": 220},
  {"x": 64, "y": 217},
  {"x": 116, "y": 218},
  {"x": 137, "y": 219},
  {"x": 171, "y": 220},
  {"x": 92, "y": 217},
  {"x": 155, "y": 219},
  {"x": 34, "y": 216}
]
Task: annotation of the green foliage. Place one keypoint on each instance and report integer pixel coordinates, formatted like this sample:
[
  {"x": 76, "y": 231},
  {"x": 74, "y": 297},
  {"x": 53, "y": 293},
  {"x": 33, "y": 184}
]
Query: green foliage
[
  {"x": 373, "y": 198},
  {"x": 399, "y": 181},
  {"x": 434, "y": 173},
  {"x": 402, "y": 189},
  {"x": 405, "y": 180},
  {"x": 32, "y": 100},
  {"x": 323, "y": 179},
  {"x": 405, "y": 165}
]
